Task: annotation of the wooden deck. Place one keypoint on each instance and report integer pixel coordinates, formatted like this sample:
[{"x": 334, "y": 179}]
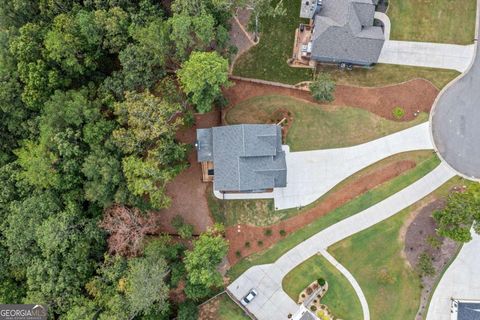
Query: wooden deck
[{"x": 207, "y": 165}]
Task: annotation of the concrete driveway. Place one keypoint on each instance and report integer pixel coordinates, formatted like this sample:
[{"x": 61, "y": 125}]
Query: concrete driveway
[
  {"x": 272, "y": 302},
  {"x": 310, "y": 174},
  {"x": 460, "y": 281},
  {"x": 427, "y": 54}
]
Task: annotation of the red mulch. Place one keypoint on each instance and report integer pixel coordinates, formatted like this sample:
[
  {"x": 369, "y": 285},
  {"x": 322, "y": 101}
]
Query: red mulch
[
  {"x": 187, "y": 191},
  {"x": 336, "y": 199},
  {"x": 414, "y": 95}
]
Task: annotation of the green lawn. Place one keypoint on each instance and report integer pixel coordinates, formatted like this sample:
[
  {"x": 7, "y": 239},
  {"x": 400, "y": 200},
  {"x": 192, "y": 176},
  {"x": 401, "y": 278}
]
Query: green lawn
[
  {"x": 262, "y": 213},
  {"x": 366, "y": 200},
  {"x": 268, "y": 59},
  {"x": 386, "y": 74},
  {"x": 443, "y": 21},
  {"x": 229, "y": 310},
  {"x": 374, "y": 257},
  {"x": 340, "y": 298},
  {"x": 319, "y": 127}
]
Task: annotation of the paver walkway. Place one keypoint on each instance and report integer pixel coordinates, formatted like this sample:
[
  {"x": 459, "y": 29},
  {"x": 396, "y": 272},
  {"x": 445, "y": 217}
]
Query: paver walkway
[
  {"x": 460, "y": 281},
  {"x": 272, "y": 302}
]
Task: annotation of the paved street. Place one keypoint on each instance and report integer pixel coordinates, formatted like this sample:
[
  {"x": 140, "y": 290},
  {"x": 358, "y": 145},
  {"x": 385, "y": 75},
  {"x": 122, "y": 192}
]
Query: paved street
[
  {"x": 455, "y": 122},
  {"x": 310, "y": 174},
  {"x": 460, "y": 281},
  {"x": 427, "y": 54},
  {"x": 272, "y": 302}
]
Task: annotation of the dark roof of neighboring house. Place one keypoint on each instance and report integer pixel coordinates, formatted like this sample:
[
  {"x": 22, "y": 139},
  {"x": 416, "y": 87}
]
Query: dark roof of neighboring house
[
  {"x": 344, "y": 32},
  {"x": 245, "y": 157},
  {"x": 308, "y": 316},
  {"x": 468, "y": 311}
]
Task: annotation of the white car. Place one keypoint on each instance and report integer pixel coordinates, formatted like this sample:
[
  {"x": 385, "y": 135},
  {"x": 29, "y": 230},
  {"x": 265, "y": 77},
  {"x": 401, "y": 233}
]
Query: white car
[{"x": 249, "y": 297}]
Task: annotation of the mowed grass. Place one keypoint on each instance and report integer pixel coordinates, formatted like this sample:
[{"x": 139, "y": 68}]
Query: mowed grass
[
  {"x": 387, "y": 74},
  {"x": 261, "y": 212},
  {"x": 360, "y": 203},
  {"x": 442, "y": 21},
  {"x": 268, "y": 59},
  {"x": 374, "y": 257},
  {"x": 340, "y": 298},
  {"x": 229, "y": 310},
  {"x": 319, "y": 127}
]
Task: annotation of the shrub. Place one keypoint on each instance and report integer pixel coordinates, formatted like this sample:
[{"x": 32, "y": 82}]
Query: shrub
[
  {"x": 313, "y": 308},
  {"x": 283, "y": 233},
  {"x": 309, "y": 290},
  {"x": 187, "y": 311},
  {"x": 177, "y": 222},
  {"x": 398, "y": 113},
  {"x": 434, "y": 242},
  {"x": 303, "y": 295},
  {"x": 238, "y": 254},
  {"x": 323, "y": 88},
  {"x": 185, "y": 231},
  {"x": 321, "y": 281},
  {"x": 425, "y": 265},
  {"x": 268, "y": 232},
  {"x": 247, "y": 244},
  {"x": 260, "y": 243}
]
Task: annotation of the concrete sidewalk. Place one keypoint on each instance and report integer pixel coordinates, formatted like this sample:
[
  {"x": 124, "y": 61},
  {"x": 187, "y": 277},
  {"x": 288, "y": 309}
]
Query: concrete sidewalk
[
  {"x": 310, "y": 174},
  {"x": 460, "y": 281},
  {"x": 272, "y": 302},
  {"x": 427, "y": 54}
]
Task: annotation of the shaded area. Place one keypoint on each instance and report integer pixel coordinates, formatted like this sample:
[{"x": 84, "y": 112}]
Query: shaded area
[{"x": 187, "y": 190}]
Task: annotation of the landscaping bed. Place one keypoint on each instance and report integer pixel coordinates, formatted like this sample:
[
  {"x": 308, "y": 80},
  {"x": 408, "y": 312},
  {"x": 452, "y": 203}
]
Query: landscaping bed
[
  {"x": 340, "y": 298},
  {"x": 277, "y": 244},
  {"x": 412, "y": 96},
  {"x": 421, "y": 240}
]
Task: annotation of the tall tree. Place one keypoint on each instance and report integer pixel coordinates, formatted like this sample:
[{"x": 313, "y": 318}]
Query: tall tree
[
  {"x": 202, "y": 261},
  {"x": 461, "y": 212},
  {"x": 202, "y": 77}
]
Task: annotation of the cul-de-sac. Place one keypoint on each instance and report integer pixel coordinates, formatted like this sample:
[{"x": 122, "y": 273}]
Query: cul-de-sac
[{"x": 239, "y": 159}]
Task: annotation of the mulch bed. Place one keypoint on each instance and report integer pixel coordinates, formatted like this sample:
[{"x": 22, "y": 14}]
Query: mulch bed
[
  {"x": 418, "y": 231},
  {"x": 187, "y": 191},
  {"x": 238, "y": 235},
  {"x": 414, "y": 95}
]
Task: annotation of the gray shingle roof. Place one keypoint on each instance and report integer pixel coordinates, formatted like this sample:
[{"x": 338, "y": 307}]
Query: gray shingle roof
[
  {"x": 245, "y": 157},
  {"x": 344, "y": 32},
  {"x": 468, "y": 311}
]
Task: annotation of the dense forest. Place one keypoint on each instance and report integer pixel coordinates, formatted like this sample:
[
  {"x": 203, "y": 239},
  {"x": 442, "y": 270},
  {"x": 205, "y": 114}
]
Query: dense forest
[{"x": 92, "y": 94}]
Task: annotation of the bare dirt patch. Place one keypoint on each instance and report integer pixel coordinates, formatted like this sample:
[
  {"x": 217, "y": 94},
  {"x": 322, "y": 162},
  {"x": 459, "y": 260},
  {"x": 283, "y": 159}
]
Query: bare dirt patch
[
  {"x": 187, "y": 190},
  {"x": 240, "y": 37},
  {"x": 412, "y": 96},
  {"x": 421, "y": 238},
  {"x": 238, "y": 235}
]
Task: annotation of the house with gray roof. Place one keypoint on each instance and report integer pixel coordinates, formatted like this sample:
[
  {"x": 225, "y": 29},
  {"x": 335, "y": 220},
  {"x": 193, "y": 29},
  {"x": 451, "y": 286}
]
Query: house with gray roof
[
  {"x": 242, "y": 158},
  {"x": 340, "y": 31}
]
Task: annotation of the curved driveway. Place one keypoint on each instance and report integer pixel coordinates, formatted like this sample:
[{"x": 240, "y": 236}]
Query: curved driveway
[{"x": 455, "y": 122}]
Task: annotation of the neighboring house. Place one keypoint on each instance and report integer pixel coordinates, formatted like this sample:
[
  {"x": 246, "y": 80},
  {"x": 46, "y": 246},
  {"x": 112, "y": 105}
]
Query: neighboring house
[
  {"x": 340, "y": 31},
  {"x": 242, "y": 158}
]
